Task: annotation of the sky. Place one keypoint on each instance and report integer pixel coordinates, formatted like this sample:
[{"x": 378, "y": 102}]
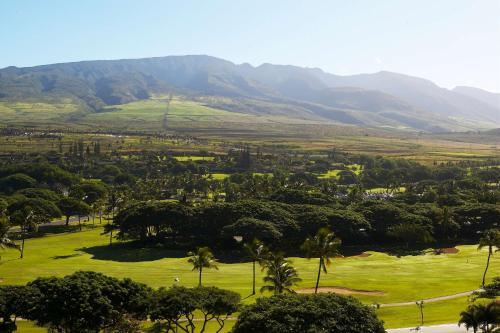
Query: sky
[{"x": 451, "y": 42}]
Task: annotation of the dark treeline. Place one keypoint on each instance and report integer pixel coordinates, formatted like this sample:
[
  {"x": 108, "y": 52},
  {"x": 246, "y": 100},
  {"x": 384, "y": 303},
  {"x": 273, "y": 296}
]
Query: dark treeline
[{"x": 285, "y": 226}]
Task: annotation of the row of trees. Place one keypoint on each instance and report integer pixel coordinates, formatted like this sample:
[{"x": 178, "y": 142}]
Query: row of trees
[
  {"x": 92, "y": 302},
  {"x": 287, "y": 225}
]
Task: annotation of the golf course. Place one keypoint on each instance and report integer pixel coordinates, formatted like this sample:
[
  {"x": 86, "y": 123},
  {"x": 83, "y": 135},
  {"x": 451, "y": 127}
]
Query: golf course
[{"x": 373, "y": 277}]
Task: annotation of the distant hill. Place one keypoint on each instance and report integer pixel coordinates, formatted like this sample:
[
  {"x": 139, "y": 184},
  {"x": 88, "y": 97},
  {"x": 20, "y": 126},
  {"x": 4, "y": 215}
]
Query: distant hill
[
  {"x": 493, "y": 99},
  {"x": 384, "y": 99}
]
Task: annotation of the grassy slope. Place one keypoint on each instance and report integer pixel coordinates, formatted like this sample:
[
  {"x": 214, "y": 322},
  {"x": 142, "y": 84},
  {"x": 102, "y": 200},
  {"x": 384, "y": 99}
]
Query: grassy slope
[
  {"x": 36, "y": 113},
  {"x": 402, "y": 279}
]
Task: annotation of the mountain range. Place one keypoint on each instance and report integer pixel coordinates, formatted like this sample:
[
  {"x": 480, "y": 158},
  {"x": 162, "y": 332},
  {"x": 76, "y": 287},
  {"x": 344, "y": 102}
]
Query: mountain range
[{"x": 381, "y": 100}]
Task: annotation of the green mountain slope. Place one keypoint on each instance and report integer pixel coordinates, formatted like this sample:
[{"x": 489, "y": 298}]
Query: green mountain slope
[{"x": 94, "y": 87}]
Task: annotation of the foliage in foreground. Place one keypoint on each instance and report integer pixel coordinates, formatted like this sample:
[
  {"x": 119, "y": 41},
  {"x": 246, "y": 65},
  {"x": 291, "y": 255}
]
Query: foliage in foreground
[
  {"x": 294, "y": 313},
  {"x": 485, "y": 317}
]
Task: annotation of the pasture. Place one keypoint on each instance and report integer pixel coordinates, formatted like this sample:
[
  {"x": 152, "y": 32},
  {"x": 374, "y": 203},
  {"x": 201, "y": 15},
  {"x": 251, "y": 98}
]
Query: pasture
[{"x": 392, "y": 279}]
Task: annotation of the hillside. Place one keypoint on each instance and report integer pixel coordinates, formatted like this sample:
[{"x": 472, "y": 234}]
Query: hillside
[
  {"x": 381, "y": 100},
  {"x": 493, "y": 99}
]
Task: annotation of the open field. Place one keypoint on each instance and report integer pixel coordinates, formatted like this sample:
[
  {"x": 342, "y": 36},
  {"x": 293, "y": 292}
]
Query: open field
[
  {"x": 396, "y": 279},
  {"x": 219, "y": 128},
  {"x": 428, "y": 151}
]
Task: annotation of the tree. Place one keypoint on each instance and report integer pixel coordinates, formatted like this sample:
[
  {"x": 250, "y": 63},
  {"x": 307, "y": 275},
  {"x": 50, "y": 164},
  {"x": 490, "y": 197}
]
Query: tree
[
  {"x": 174, "y": 306},
  {"x": 420, "y": 305},
  {"x": 295, "y": 313},
  {"x": 470, "y": 318},
  {"x": 281, "y": 276},
  {"x": 481, "y": 316},
  {"x": 28, "y": 218},
  {"x": 411, "y": 233},
  {"x": 323, "y": 246},
  {"x": 5, "y": 241},
  {"x": 256, "y": 251},
  {"x": 115, "y": 198},
  {"x": 248, "y": 227},
  {"x": 174, "y": 309},
  {"x": 16, "y": 182},
  {"x": 491, "y": 290},
  {"x": 14, "y": 302},
  {"x": 86, "y": 302},
  {"x": 70, "y": 207},
  {"x": 215, "y": 303},
  {"x": 202, "y": 258},
  {"x": 490, "y": 239}
]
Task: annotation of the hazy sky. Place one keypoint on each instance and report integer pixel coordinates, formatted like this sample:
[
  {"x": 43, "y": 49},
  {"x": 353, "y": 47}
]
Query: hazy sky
[{"x": 452, "y": 42}]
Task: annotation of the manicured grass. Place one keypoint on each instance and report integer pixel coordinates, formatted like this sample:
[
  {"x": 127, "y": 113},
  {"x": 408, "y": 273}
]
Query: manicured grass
[
  {"x": 384, "y": 190},
  {"x": 401, "y": 279},
  {"x": 219, "y": 176},
  {"x": 356, "y": 168},
  {"x": 28, "y": 327},
  {"x": 193, "y": 158}
]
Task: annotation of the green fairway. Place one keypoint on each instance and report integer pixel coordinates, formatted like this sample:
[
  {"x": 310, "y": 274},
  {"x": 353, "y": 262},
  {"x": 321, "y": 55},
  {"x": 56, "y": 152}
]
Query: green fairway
[
  {"x": 397, "y": 279},
  {"x": 356, "y": 168},
  {"x": 193, "y": 158}
]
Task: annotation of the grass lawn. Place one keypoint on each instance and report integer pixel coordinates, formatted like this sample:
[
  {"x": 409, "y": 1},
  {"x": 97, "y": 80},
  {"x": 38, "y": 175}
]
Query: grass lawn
[
  {"x": 399, "y": 279},
  {"x": 384, "y": 190},
  {"x": 218, "y": 176},
  {"x": 356, "y": 168},
  {"x": 193, "y": 158}
]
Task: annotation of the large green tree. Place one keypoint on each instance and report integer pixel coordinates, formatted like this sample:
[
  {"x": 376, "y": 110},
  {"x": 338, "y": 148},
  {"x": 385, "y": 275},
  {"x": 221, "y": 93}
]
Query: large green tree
[
  {"x": 86, "y": 302},
  {"x": 295, "y": 313},
  {"x": 174, "y": 309},
  {"x": 71, "y": 207}
]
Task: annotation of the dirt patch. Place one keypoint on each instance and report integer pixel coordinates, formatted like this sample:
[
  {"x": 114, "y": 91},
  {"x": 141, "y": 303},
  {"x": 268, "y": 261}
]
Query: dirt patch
[
  {"x": 342, "y": 291},
  {"x": 448, "y": 250}
]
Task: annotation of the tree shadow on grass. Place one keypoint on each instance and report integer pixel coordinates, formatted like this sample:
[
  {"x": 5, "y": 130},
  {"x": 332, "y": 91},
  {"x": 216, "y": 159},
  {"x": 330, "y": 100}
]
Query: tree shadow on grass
[
  {"x": 131, "y": 253},
  {"x": 66, "y": 256}
]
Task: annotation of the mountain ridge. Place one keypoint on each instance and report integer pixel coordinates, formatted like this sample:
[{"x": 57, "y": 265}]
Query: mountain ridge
[{"x": 378, "y": 99}]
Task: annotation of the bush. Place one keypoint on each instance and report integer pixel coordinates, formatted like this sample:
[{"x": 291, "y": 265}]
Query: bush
[{"x": 308, "y": 314}]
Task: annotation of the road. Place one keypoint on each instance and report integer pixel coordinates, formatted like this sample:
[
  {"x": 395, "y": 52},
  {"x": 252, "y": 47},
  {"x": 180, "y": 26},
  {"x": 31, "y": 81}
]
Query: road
[{"x": 448, "y": 328}]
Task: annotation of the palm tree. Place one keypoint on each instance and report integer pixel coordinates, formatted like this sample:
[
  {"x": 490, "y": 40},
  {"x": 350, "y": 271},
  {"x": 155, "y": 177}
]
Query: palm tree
[
  {"x": 481, "y": 316},
  {"x": 281, "y": 275},
  {"x": 490, "y": 239},
  {"x": 5, "y": 241},
  {"x": 471, "y": 318},
  {"x": 202, "y": 258},
  {"x": 28, "y": 219},
  {"x": 256, "y": 251},
  {"x": 323, "y": 246}
]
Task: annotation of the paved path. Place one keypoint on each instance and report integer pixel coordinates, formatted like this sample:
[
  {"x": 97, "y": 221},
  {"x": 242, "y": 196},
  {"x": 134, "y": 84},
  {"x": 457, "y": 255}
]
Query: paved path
[
  {"x": 430, "y": 300},
  {"x": 448, "y": 328}
]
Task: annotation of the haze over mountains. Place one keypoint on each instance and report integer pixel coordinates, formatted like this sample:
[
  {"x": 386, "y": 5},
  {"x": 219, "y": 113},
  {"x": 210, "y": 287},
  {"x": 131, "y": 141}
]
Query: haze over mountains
[{"x": 384, "y": 99}]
